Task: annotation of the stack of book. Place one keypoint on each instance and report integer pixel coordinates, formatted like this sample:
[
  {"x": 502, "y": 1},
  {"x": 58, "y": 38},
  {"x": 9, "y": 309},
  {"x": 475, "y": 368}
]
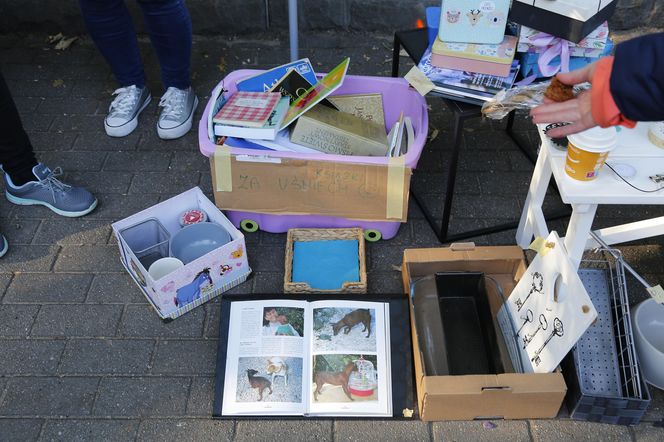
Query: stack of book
[
  {"x": 288, "y": 109},
  {"x": 476, "y": 69}
]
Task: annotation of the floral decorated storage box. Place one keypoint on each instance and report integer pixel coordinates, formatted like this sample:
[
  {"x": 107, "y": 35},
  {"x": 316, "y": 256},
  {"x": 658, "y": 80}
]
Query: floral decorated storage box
[{"x": 199, "y": 280}]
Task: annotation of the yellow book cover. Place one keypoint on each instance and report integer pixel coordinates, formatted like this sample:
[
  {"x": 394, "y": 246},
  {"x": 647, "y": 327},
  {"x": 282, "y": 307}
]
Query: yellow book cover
[
  {"x": 502, "y": 53},
  {"x": 366, "y": 106},
  {"x": 341, "y": 133}
]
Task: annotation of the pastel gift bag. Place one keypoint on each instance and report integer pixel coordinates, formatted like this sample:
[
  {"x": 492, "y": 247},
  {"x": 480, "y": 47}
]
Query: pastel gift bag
[{"x": 473, "y": 21}]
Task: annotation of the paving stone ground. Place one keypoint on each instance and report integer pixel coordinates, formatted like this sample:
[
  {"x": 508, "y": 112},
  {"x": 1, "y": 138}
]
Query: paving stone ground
[{"x": 83, "y": 356}]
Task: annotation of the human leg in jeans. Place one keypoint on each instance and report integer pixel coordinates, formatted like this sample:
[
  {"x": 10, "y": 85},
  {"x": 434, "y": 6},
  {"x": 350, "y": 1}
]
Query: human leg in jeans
[
  {"x": 27, "y": 181},
  {"x": 169, "y": 26}
]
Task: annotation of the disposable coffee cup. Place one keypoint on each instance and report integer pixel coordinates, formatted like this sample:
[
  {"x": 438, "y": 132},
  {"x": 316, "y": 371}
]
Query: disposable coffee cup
[
  {"x": 587, "y": 151},
  {"x": 164, "y": 266}
]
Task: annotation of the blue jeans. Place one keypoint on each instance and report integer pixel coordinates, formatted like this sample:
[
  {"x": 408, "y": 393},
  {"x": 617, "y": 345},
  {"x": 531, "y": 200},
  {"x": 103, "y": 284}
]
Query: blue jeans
[{"x": 169, "y": 26}]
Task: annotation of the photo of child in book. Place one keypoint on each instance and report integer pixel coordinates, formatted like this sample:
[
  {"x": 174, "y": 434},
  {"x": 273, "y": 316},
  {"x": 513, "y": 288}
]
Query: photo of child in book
[{"x": 283, "y": 322}]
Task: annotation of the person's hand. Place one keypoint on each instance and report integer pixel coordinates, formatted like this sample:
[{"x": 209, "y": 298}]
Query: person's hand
[{"x": 577, "y": 112}]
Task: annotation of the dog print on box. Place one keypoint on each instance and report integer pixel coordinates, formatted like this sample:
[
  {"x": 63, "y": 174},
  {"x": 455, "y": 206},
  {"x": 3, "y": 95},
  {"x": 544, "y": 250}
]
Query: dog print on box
[{"x": 473, "y": 21}]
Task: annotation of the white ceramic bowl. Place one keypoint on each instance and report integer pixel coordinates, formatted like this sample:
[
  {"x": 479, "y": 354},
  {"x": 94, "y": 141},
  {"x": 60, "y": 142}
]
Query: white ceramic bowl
[
  {"x": 648, "y": 327},
  {"x": 164, "y": 266},
  {"x": 196, "y": 240}
]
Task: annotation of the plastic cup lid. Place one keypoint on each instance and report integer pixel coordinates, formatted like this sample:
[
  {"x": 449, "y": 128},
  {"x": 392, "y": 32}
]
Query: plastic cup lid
[{"x": 595, "y": 140}]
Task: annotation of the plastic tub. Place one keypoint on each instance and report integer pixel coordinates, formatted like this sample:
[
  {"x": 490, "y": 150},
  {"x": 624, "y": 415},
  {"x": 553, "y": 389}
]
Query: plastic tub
[{"x": 397, "y": 97}]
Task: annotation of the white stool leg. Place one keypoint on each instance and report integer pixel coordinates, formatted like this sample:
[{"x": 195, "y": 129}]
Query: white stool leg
[
  {"x": 532, "y": 220},
  {"x": 578, "y": 231}
]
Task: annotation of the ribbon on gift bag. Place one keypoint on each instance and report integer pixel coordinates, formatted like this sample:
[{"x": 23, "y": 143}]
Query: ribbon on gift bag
[{"x": 552, "y": 47}]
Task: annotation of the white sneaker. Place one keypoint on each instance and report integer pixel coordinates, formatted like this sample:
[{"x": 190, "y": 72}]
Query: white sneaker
[
  {"x": 123, "y": 112},
  {"x": 177, "y": 114}
]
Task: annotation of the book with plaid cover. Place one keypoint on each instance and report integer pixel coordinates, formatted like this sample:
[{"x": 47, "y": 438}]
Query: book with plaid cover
[{"x": 248, "y": 109}]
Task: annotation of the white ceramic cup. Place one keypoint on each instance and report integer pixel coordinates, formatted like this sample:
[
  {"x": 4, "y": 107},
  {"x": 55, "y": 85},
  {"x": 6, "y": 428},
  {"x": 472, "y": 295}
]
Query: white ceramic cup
[{"x": 164, "y": 266}]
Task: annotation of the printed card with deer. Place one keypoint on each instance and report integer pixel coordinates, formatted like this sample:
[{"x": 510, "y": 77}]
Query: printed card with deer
[
  {"x": 287, "y": 357},
  {"x": 473, "y": 21}
]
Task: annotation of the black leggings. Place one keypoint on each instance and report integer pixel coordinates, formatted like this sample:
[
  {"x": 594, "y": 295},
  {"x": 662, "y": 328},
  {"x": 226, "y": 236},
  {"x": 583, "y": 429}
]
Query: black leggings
[{"x": 16, "y": 154}]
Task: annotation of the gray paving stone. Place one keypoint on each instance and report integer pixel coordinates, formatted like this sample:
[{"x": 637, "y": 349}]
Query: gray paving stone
[
  {"x": 74, "y": 161},
  {"x": 270, "y": 258},
  {"x": 185, "y": 357},
  {"x": 81, "y": 123},
  {"x": 656, "y": 410},
  {"x": 508, "y": 431},
  {"x": 48, "y": 287},
  {"x": 212, "y": 321},
  {"x": 106, "y": 356},
  {"x": 101, "y": 183},
  {"x": 185, "y": 429},
  {"x": 30, "y": 356},
  {"x": 384, "y": 256},
  {"x": 138, "y": 161},
  {"x": 20, "y": 231},
  {"x": 298, "y": 430},
  {"x": 47, "y": 142},
  {"x": 73, "y": 430},
  {"x": 557, "y": 430},
  {"x": 36, "y": 396},
  {"x": 16, "y": 320},
  {"x": 96, "y": 88},
  {"x": 73, "y": 232},
  {"x": 141, "y": 396},
  {"x": 68, "y": 106},
  {"x": 98, "y": 258},
  {"x": 87, "y": 141},
  {"x": 37, "y": 88},
  {"x": 384, "y": 282},
  {"x": 189, "y": 161},
  {"x": 5, "y": 279},
  {"x": 143, "y": 321},
  {"x": 268, "y": 282},
  {"x": 112, "y": 288},
  {"x": 20, "y": 430},
  {"x": 436, "y": 183},
  {"x": 361, "y": 430},
  {"x": 501, "y": 207},
  {"x": 201, "y": 397},
  {"x": 647, "y": 433},
  {"x": 28, "y": 259},
  {"x": 88, "y": 320},
  {"x": 115, "y": 207},
  {"x": 164, "y": 182}
]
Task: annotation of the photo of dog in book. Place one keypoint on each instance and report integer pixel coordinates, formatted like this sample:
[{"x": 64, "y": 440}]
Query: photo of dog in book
[
  {"x": 344, "y": 378},
  {"x": 343, "y": 329},
  {"x": 269, "y": 379}
]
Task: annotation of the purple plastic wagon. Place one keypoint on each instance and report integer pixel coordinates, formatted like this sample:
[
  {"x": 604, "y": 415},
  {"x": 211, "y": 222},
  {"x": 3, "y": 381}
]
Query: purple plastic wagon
[{"x": 397, "y": 97}]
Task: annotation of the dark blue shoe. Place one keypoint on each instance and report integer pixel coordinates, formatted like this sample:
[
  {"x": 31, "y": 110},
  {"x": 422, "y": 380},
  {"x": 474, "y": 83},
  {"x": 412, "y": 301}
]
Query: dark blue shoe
[{"x": 49, "y": 191}]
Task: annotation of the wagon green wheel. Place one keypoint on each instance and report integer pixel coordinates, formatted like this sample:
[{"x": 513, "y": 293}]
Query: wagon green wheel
[
  {"x": 249, "y": 225},
  {"x": 372, "y": 235}
]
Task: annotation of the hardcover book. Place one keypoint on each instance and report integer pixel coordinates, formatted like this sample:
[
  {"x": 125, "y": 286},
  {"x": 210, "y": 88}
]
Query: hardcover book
[
  {"x": 293, "y": 85},
  {"x": 328, "y": 84},
  {"x": 264, "y": 81},
  {"x": 476, "y": 86},
  {"x": 339, "y": 133},
  {"x": 267, "y": 132},
  {"x": 490, "y": 59},
  {"x": 366, "y": 106},
  {"x": 248, "y": 109},
  {"x": 299, "y": 358}
]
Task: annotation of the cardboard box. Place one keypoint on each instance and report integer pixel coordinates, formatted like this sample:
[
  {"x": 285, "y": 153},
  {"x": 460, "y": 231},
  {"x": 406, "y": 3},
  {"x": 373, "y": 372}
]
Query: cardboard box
[
  {"x": 225, "y": 267},
  {"x": 507, "y": 395},
  {"x": 289, "y": 186}
]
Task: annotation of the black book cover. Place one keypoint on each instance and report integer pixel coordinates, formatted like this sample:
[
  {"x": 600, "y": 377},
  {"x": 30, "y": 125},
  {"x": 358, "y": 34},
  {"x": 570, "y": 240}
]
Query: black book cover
[{"x": 292, "y": 85}]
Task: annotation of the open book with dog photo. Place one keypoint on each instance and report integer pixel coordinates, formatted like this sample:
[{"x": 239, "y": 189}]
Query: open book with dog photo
[{"x": 322, "y": 358}]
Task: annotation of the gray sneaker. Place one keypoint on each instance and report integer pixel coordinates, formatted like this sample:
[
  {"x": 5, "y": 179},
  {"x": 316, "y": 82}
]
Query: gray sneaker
[
  {"x": 4, "y": 245},
  {"x": 49, "y": 191},
  {"x": 177, "y": 114},
  {"x": 123, "y": 112}
]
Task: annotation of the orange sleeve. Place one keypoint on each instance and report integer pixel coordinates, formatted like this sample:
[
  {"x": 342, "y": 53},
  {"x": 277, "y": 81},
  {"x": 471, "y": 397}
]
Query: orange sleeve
[{"x": 604, "y": 109}]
